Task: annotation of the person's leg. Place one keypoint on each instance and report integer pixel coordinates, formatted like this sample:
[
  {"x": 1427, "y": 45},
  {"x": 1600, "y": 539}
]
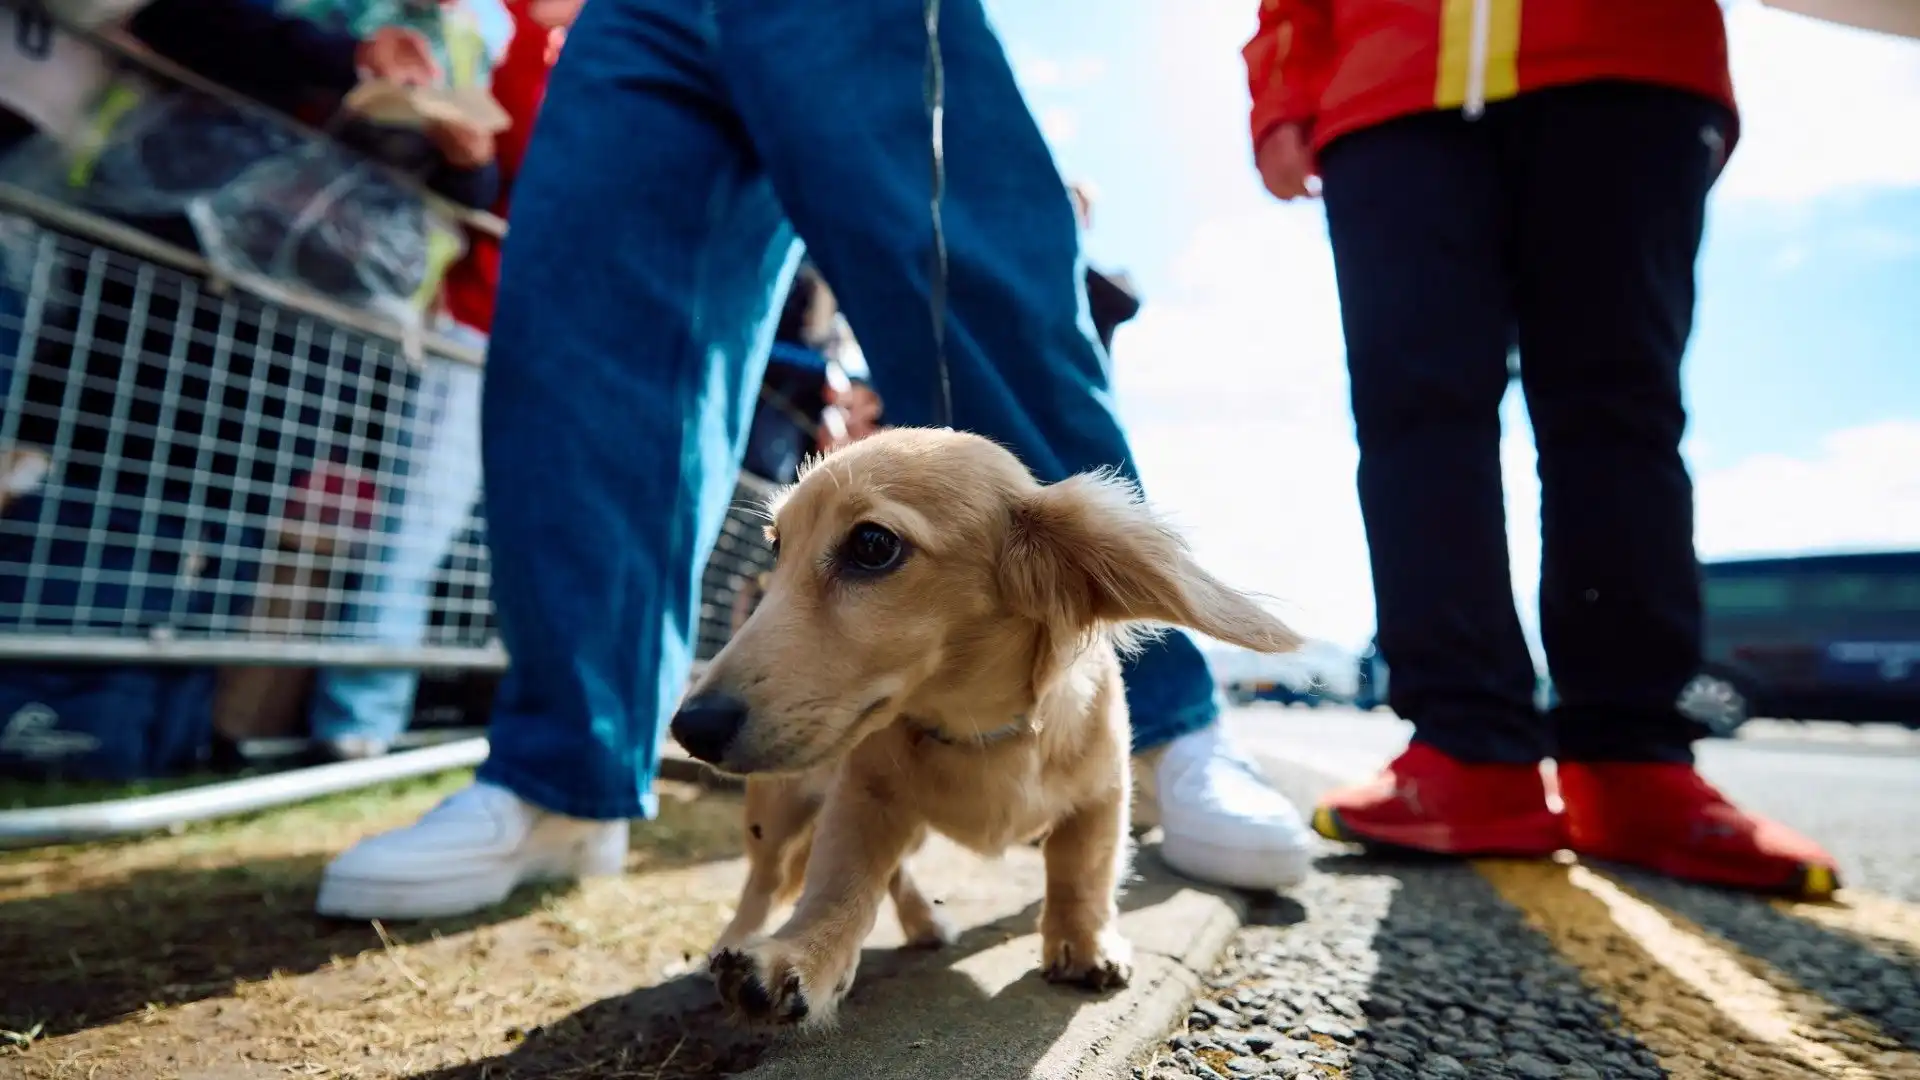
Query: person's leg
[
  {"x": 832, "y": 98},
  {"x": 1426, "y": 308},
  {"x": 1426, "y": 304},
  {"x": 359, "y": 712},
  {"x": 1603, "y": 325},
  {"x": 634, "y": 315},
  {"x": 636, "y": 300},
  {"x": 1611, "y": 205}
]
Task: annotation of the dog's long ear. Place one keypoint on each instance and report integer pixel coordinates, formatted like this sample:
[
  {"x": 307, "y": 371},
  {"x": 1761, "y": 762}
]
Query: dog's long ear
[{"x": 1088, "y": 552}]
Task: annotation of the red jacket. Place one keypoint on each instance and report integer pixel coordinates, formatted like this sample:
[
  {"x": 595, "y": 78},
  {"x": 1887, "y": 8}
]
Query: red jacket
[
  {"x": 519, "y": 83},
  {"x": 1336, "y": 66}
]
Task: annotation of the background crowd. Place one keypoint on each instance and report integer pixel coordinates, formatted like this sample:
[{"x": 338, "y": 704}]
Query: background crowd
[{"x": 274, "y": 170}]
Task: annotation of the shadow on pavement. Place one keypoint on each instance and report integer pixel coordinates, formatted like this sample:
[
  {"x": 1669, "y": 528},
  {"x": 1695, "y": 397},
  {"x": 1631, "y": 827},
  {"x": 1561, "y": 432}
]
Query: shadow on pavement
[
  {"x": 1877, "y": 981},
  {"x": 1464, "y": 986}
]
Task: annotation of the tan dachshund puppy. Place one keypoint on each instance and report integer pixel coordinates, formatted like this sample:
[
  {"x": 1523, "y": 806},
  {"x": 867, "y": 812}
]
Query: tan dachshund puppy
[{"x": 937, "y": 650}]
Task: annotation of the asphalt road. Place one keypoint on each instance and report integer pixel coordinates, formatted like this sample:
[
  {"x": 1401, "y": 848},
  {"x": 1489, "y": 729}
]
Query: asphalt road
[{"x": 1379, "y": 969}]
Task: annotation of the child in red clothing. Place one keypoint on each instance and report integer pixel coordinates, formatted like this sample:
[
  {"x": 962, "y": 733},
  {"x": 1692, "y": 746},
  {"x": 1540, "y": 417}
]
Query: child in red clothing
[
  {"x": 1494, "y": 181},
  {"x": 358, "y": 712},
  {"x": 519, "y": 83}
]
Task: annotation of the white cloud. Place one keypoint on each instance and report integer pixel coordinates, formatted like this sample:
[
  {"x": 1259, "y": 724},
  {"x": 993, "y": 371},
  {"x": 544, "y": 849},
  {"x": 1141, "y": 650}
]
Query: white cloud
[
  {"x": 1233, "y": 386},
  {"x": 1862, "y": 489},
  {"x": 1824, "y": 107}
]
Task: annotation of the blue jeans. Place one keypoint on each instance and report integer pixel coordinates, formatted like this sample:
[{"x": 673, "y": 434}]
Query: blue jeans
[
  {"x": 438, "y": 484},
  {"x": 684, "y": 148}
]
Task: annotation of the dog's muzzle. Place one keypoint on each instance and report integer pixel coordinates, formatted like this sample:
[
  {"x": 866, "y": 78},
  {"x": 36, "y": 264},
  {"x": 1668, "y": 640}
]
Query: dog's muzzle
[{"x": 707, "y": 725}]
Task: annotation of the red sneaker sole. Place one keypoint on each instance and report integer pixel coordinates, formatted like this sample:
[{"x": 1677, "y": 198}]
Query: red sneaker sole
[
  {"x": 1801, "y": 881},
  {"x": 1534, "y": 836}
]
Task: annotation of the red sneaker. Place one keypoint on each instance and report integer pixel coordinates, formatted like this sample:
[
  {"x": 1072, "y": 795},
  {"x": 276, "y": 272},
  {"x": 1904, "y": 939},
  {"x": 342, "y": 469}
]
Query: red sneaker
[
  {"x": 1427, "y": 801},
  {"x": 1667, "y": 819}
]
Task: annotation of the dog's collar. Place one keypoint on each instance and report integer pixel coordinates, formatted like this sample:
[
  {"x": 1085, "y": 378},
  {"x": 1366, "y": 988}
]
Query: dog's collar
[{"x": 927, "y": 730}]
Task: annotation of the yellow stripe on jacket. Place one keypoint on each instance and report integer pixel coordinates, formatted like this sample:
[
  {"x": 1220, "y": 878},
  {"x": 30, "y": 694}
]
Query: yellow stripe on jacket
[{"x": 1453, "y": 78}]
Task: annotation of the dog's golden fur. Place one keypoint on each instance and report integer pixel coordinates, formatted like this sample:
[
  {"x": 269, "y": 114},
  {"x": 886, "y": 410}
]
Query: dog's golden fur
[{"x": 973, "y": 690}]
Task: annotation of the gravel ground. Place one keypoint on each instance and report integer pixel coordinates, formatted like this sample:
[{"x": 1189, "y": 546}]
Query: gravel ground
[{"x": 1398, "y": 972}]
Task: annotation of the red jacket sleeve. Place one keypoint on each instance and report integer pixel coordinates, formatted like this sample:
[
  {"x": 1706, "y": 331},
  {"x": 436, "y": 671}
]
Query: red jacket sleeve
[{"x": 1287, "y": 63}]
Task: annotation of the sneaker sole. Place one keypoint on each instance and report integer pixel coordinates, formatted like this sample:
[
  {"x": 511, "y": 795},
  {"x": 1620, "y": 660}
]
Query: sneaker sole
[
  {"x": 1533, "y": 837},
  {"x": 1236, "y": 868},
  {"x": 369, "y": 898},
  {"x": 1805, "y": 881},
  {"x": 1818, "y": 883},
  {"x": 374, "y": 898}
]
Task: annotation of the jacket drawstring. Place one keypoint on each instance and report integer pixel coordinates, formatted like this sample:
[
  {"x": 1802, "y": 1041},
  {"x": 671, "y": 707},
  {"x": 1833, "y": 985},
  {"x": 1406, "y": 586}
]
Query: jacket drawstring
[{"x": 1476, "y": 97}]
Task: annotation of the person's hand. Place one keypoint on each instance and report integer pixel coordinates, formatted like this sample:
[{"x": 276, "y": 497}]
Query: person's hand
[
  {"x": 554, "y": 14},
  {"x": 851, "y": 414},
  {"x": 464, "y": 147},
  {"x": 832, "y": 433},
  {"x": 398, "y": 55},
  {"x": 860, "y": 404},
  {"x": 1286, "y": 163}
]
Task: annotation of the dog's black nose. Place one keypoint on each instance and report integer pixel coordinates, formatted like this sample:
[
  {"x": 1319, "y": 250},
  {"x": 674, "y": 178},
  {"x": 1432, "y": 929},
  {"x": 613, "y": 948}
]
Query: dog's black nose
[{"x": 707, "y": 724}]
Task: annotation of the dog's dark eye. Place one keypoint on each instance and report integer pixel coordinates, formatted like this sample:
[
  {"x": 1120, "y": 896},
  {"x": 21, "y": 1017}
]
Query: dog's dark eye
[{"x": 872, "y": 549}]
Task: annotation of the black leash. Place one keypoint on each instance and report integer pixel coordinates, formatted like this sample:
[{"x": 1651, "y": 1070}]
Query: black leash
[{"x": 936, "y": 95}]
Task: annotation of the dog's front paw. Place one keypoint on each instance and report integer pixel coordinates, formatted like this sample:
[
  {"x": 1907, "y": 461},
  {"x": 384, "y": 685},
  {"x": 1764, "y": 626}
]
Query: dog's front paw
[
  {"x": 1102, "y": 961},
  {"x": 770, "y": 981}
]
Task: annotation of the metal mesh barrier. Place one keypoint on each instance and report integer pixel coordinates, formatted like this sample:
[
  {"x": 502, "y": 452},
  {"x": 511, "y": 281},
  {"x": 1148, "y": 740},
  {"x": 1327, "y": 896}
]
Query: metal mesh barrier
[
  {"x": 192, "y": 472},
  {"x": 731, "y": 583}
]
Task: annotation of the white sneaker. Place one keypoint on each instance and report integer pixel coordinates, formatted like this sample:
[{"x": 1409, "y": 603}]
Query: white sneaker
[
  {"x": 1221, "y": 821},
  {"x": 465, "y": 855}
]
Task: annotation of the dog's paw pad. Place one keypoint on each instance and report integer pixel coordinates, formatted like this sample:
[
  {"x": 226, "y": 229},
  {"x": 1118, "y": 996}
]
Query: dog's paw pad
[
  {"x": 1098, "y": 969},
  {"x": 1102, "y": 975},
  {"x": 760, "y": 988}
]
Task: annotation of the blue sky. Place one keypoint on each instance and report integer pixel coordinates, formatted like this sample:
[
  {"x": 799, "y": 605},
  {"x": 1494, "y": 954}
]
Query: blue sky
[{"x": 1804, "y": 372}]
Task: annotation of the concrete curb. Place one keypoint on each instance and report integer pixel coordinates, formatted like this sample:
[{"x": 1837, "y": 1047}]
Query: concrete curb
[{"x": 979, "y": 1010}]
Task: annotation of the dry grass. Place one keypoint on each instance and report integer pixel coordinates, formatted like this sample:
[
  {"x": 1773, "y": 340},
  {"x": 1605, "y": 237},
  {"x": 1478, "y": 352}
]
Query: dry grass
[{"x": 198, "y": 955}]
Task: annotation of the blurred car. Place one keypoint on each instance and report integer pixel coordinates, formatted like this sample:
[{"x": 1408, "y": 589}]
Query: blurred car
[
  {"x": 1249, "y": 691},
  {"x": 1817, "y": 637},
  {"x": 1372, "y": 683}
]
